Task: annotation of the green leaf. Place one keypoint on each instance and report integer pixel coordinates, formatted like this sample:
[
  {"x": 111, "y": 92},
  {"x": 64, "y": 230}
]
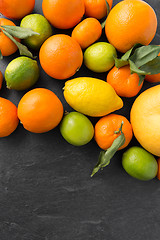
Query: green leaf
[
  {"x": 145, "y": 54},
  {"x": 120, "y": 62},
  {"x": 105, "y": 156},
  {"x": 108, "y": 10},
  {"x": 19, "y": 32},
  {"x": 135, "y": 69},
  {"x": 153, "y": 66},
  {"x": 141, "y": 79},
  {"x": 1, "y": 56},
  {"x": 22, "y": 49}
]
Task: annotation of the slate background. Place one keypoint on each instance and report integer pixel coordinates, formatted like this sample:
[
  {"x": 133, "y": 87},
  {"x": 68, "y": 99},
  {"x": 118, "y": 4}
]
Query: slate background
[{"x": 46, "y": 192}]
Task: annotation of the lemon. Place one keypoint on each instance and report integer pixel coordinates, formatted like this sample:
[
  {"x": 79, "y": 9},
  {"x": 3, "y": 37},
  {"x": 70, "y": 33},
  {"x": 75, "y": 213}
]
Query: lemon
[
  {"x": 39, "y": 24},
  {"x": 91, "y": 96},
  {"x": 99, "y": 57},
  {"x": 21, "y": 73}
]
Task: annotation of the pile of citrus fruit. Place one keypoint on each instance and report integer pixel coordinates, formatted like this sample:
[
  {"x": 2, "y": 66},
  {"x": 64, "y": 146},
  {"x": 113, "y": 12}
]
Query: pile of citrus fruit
[{"x": 126, "y": 56}]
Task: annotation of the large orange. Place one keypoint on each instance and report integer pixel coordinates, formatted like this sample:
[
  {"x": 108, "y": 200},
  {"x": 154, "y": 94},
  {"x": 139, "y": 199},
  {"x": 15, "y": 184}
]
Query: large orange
[
  {"x": 106, "y": 127},
  {"x": 61, "y": 56},
  {"x": 7, "y": 47},
  {"x": 130, "y": 22},
  {"x": 16, "y": 9},
  {"x": 8, "y": 117},
  {"x": 40, "y": 110},
  {"x": 124, "y": 83},
  {"x": 96, "y": 8},
  {"x": 63, "y": 14}
]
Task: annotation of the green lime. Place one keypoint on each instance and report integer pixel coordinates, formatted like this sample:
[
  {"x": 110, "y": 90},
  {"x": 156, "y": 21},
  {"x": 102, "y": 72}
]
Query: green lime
[
  {"x": 39, "y": 24},
  {"x": 76, "y": 129},
  {"x": 99, "y": 57},
  {"x": 139, "y": 163},
  {"x": 21, "y": 73}
]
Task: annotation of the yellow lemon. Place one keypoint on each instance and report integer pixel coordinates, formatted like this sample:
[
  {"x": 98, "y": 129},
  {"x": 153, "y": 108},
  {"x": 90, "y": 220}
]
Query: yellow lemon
[
  {"x": 91, "y": 96},
  {"x": 145, "y": 119}
]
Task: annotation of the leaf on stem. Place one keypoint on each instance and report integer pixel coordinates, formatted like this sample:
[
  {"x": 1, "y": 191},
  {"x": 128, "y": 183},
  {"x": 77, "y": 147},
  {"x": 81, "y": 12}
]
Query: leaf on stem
[
  {"x": 1, "y": 56},
  {"x": 153, "y": 66},
  {"x": 19, "y": 32},
  {"x": 108, "y": 10}
]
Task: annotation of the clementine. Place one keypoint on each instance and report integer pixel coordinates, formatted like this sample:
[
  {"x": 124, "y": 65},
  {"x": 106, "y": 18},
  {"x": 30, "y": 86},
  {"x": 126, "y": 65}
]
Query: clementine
[
  {"x": 8, "y": 117},
  {"x": 40, "y": 110},
  {"x": 63, "y": 14},
  {"x": 60, "y": 56},
  {"x": 130, "y": 22},
  {"x": 16, "y": 9}
]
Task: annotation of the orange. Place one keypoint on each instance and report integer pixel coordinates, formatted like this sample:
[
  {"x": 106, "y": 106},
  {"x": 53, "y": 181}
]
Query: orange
[
  {"x": 130, "y": 22},
  {"x": 63, "y": 14},
  {"x": 60, "y": 56},
  {"x": 8, "y": 117},
  {"x": 87, "y": 32},
  {"x": 16, "y": 9},
  {"x": 40, "y": 110},
  {"x": 1, "y": 79},
  {"x": 96, "y": 8},
  {"x": 124, "y": 83},
  {"x": 105, "y": 130},
  {"x": 145, "y": 119},
  {"x": 154, "y": 77},
  {"x": 7, "y": 47}
]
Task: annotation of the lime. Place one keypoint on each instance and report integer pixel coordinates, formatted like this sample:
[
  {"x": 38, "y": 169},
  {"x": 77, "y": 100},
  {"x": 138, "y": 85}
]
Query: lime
[
  {"x": 21, "y": 73},
  {"x": 39, "y": 24},
  {"x": 76, "y": 129},
  {"x": 139, "y": 163},
  {"x": 99, "y": 57}
]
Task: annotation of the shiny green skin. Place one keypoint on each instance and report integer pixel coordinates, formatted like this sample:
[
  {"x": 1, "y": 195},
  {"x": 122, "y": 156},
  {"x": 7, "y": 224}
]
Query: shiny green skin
[
  {"x": 76, "y": 129},
  {"x": 139, "y": 163},
  {"x": 21, "y": 73},
  {"x": 39, "y": 24},
  {"x": 99, "y": 57}
]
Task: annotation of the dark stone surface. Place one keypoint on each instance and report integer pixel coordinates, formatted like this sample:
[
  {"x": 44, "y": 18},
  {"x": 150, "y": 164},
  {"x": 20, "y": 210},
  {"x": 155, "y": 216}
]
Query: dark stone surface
[{"x": 46, "y": 192}]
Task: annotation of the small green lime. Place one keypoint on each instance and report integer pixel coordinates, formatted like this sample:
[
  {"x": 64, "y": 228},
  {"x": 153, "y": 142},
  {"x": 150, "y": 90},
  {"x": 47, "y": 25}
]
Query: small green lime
[
  {"x": 139, "y": 163},
  {"x": 76, "y": 129},
  {"x": 99, "y": 57},
  {"x": 21, "y": 73},
  {"x": 39, "y": 24}
]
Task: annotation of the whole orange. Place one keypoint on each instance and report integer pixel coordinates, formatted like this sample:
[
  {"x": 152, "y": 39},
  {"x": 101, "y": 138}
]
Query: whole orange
[
  {"x": 40, "y": 110},
  {"x": 130, "y": 22},
  {"x": 124, "y": 83},
  {"x": 87, "y": 32},
  {"x": 106, "y": 127},
  {"x": 16, "y": 9},
  {"x": 8, "y": 117},
  {"x": 63, "y": 14},
  {"x": 96, "y": 8},
  {"x": 7, "y": 47},
  {"x": 1, "y": 79},
  {"x": 60, "y": 56}
]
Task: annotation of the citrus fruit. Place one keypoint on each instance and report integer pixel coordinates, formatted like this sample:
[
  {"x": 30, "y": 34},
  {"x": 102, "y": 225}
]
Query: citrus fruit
[
  {"x": 1, "y": 79},
  {"x": 39, "y": 24},
  {"x": 154, "y": 77},
  {"x": 96, "y": 8},
  {"x": 91, "y": 96},
  {"x": 124, "y": 83},
  {"x": 40, "y": 110},
  {"x": 21, "y": 73},
  {"x": 63, "y": 14},
  {"x": 16, "y": 9},
  {"x": 145, "y": 119},
  {"x": 76, "y": 129},
  {"x": 7, "y": 47},
  {"x": 106, "y": 130},
  {"x": 87, "y": 32},
  {"x": 60, "y": 56},
  {"x": 130, "y": 22},
  {"x": 139, "y": 163},
  {"x": 99, "y": 57},
  {"x": 8, "y": 117}
]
